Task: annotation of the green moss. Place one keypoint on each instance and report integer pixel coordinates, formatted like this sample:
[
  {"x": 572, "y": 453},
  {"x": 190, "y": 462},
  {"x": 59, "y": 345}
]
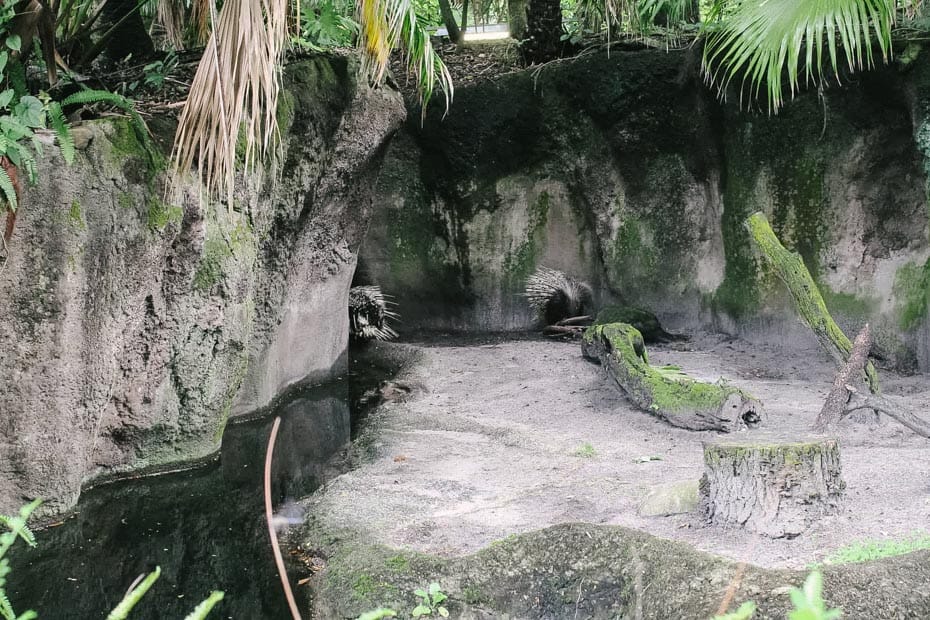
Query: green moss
[
  {"x": 126, "y": 200},
  {"x": 75, "y": 218},
  {"x": 586, "y": 451},
  {"x": 130, "y": 149},
  {"x": 397, "y": 562},
  {"x": 363, "y": 585},
  {"x": 846, "y": 304},
  {"x": 210, "y": 271},
  {"x": 521, "y": 263},
  {"x": 912, "y": 289},
  {"x": 161, "y": 214},
  {"x": 665, "y": 388},
  {"x": 473, "y": 595}
]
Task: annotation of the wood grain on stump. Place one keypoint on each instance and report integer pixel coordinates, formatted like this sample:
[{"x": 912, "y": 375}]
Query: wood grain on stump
[{"x": 775, "y": 487}]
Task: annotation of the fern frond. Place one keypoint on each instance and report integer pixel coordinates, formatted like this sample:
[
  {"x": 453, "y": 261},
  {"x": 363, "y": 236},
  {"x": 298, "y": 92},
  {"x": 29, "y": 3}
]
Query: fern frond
[
  {"x": 200, "y": 612},
  {"x": 6, "y": 608},
  {"x": 129, "y": 601},
  {"x": 62, "y": 131},
  {"x": 88, "y": 96},
  {"x": 7, "y": 189}
]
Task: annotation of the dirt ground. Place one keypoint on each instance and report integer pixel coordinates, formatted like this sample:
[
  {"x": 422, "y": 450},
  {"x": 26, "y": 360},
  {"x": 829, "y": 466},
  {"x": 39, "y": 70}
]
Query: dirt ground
[{"x": 491, "y": 443}]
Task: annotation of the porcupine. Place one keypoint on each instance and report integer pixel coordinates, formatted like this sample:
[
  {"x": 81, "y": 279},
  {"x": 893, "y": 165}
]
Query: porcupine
[
  {"x": 369, "y": 313},
  {"x": 556, "y": 296}
]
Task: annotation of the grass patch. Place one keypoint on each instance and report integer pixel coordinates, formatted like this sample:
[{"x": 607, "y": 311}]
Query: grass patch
[
  {"x": 586, "y": 451},
  {"x": 867, "y": 550}
]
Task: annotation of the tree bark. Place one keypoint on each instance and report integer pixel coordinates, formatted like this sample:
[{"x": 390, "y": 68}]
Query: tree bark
[
  {"x": 516, "y": 18},
  {"x": 775, "y": 488},
  {"x": 810, "y": 304},
  {"x": 835, "y": 405},
  {"x": 666, "y": 392},
  {"x": 543, "y": 31},
  {"x": 448, "y": 18}
]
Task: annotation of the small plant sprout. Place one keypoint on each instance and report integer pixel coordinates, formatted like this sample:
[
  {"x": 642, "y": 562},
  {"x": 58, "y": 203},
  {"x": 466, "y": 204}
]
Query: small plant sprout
[
  {"x": 586, "y": 451},
  {"x": 430, "y": 602},
  {"x": 808, "y": 601}
]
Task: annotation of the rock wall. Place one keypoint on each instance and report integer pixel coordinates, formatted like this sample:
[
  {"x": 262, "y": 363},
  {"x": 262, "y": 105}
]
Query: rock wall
[
  {"x": 132, "y": 328},
  {"x": 627, "y": 172}
]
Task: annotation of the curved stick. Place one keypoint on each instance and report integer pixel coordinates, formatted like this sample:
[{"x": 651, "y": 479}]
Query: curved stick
[{"x": 278, "y": 560}]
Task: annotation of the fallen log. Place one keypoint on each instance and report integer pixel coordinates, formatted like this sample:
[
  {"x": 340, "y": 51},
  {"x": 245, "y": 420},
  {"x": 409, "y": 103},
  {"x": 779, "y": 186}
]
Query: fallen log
[
  {"x": 646, "y": 322},
  {"x": 666, "y": 392},
  {"x": 835, "y": 406},
  {"x": 775, "y": 487},
  {"x": 894, "y": 411},
  {"x": 791, "y": 270}
]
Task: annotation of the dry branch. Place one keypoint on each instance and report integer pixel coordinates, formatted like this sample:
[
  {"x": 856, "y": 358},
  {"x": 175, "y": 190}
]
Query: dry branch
[
  {"x": 893, "y": 411},
  {"x": 810, "y": 304}
]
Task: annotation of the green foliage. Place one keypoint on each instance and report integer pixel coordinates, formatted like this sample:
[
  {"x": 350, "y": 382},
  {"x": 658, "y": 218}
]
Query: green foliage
[
  {"x": 134, "y": 596},
  {"x": 431, "y": 601},
  {"x": 378, "y": 614},
  {"x": 586, "y": 451},
  {"x": 15, "y": 529},
  {"x": 90, "y": 96},
  {"x": 867, "y": 550},
  {"x": 745, "y": 612},
  {"x": 327, "y": 24},
  {"x": 808, "y": 601},
  {"x": 155, "y": 73},
  {"x": 758, "y": 44}
]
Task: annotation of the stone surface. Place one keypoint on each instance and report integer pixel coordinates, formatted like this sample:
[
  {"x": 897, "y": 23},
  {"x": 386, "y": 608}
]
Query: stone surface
[
  {"x": 133, "y": 329},
  {"x": 625, "y": 171},
  {"x": 670, "y": 499}
]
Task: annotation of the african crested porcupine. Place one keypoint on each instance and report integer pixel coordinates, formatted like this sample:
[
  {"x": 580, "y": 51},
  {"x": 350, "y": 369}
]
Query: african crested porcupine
[
  {"x": 369, "y": 314},
  {"x": 556, "y": 296}
]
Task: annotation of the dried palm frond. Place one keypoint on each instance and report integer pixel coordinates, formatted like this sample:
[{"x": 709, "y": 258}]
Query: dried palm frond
[
  {"x": 387, "y": 24},
  {"x": 171, "y": 15},
  {"x": 235, "y": 91}
]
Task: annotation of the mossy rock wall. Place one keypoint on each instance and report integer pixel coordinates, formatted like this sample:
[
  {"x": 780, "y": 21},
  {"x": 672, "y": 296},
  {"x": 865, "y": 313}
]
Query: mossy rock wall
[
  {"x": 134, "y": 328},
  {"x": 647, "y": 179}
]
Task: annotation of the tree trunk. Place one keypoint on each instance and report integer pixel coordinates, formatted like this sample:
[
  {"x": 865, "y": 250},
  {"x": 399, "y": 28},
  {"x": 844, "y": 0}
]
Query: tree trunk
[
  {"x": 516, "y": 17},
  {"x": 666, "y": 392},
  {"x": 125, "y": 32},
  {"x": 835, "y": 405},
  {"x": 464, "y": 29},
  {"x": 448, "y": 18},
  {"x": 775, "y": 488},
  {"x": 543, "y": 31},
  {"x": 791, "y": 270}
]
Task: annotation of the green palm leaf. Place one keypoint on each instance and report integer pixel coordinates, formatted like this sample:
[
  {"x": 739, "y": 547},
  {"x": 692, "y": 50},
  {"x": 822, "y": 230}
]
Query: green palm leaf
[{"x": 758, "y": 41}]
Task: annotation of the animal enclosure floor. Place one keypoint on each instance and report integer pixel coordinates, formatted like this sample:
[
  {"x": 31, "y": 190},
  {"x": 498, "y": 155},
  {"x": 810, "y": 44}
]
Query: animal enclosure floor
[{"x": 492, "y": 442}]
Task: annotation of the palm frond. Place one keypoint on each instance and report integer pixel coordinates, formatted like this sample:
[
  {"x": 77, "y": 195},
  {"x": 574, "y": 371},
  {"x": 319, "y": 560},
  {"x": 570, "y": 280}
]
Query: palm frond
[
  {"x": 171, "y": 15},
  {"x": 235, "y": 89},
  {"x": 387, "y": 24},
  {"x": 757, "y": 41}
]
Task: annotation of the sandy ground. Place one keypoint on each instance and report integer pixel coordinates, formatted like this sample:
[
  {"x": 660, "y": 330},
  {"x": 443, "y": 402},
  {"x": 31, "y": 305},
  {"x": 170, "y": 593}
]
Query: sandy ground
[{"x": 488, "y": 445}]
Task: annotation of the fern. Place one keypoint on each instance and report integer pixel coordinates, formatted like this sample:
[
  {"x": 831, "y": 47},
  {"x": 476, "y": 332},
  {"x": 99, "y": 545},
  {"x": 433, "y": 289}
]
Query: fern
[
  {"x": 200, "y": 612},
  {"x": 129, "y": 601},
  {"x": 7, "y": 189},
  {"x": 84, "y": 97},
  {"x": 62, "y": 131}
]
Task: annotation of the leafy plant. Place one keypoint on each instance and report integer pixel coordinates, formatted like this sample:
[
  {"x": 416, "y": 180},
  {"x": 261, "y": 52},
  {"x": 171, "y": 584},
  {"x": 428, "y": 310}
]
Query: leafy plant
[
  {"x": 808, "y": 601},
  {"x": 16, "y": 529},
  {"x": 326, "y": 24},
  {"x": 155, "y": 73},
  {"x": 431, "y": 601},
  {"x": 586, "y": 451}
]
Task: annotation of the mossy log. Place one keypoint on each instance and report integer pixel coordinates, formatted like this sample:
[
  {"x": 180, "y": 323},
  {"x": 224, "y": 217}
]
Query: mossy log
[
  {"x": 774, "y": 487},
  {"x": 646, "y": 322},
  {"x": 810, "y": 304},
  {"x": 666, "y": 392}
]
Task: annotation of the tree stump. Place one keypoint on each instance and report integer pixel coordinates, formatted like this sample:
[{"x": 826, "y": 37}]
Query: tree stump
[
  {"x": 771, "y": 486},
  {"x": 665, "y": 391}
]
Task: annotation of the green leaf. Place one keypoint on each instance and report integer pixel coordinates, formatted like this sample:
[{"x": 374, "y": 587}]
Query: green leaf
[
  {"x": 6, "y": 97},
  {"x": 421, "y": 593},
  {"x": 200, "y": 612},
  {"x": 14, "y": 42},
  {"x": 421, "y": 610},
  {"x": 443, "y": 612},
  {"x": 62, "y": 131},
  {"x": 7, "y": 189},
  {"x": 438, "y": 598},
  {"x": 129, "y": 601},
  {"x": 4, "y": 57}
]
